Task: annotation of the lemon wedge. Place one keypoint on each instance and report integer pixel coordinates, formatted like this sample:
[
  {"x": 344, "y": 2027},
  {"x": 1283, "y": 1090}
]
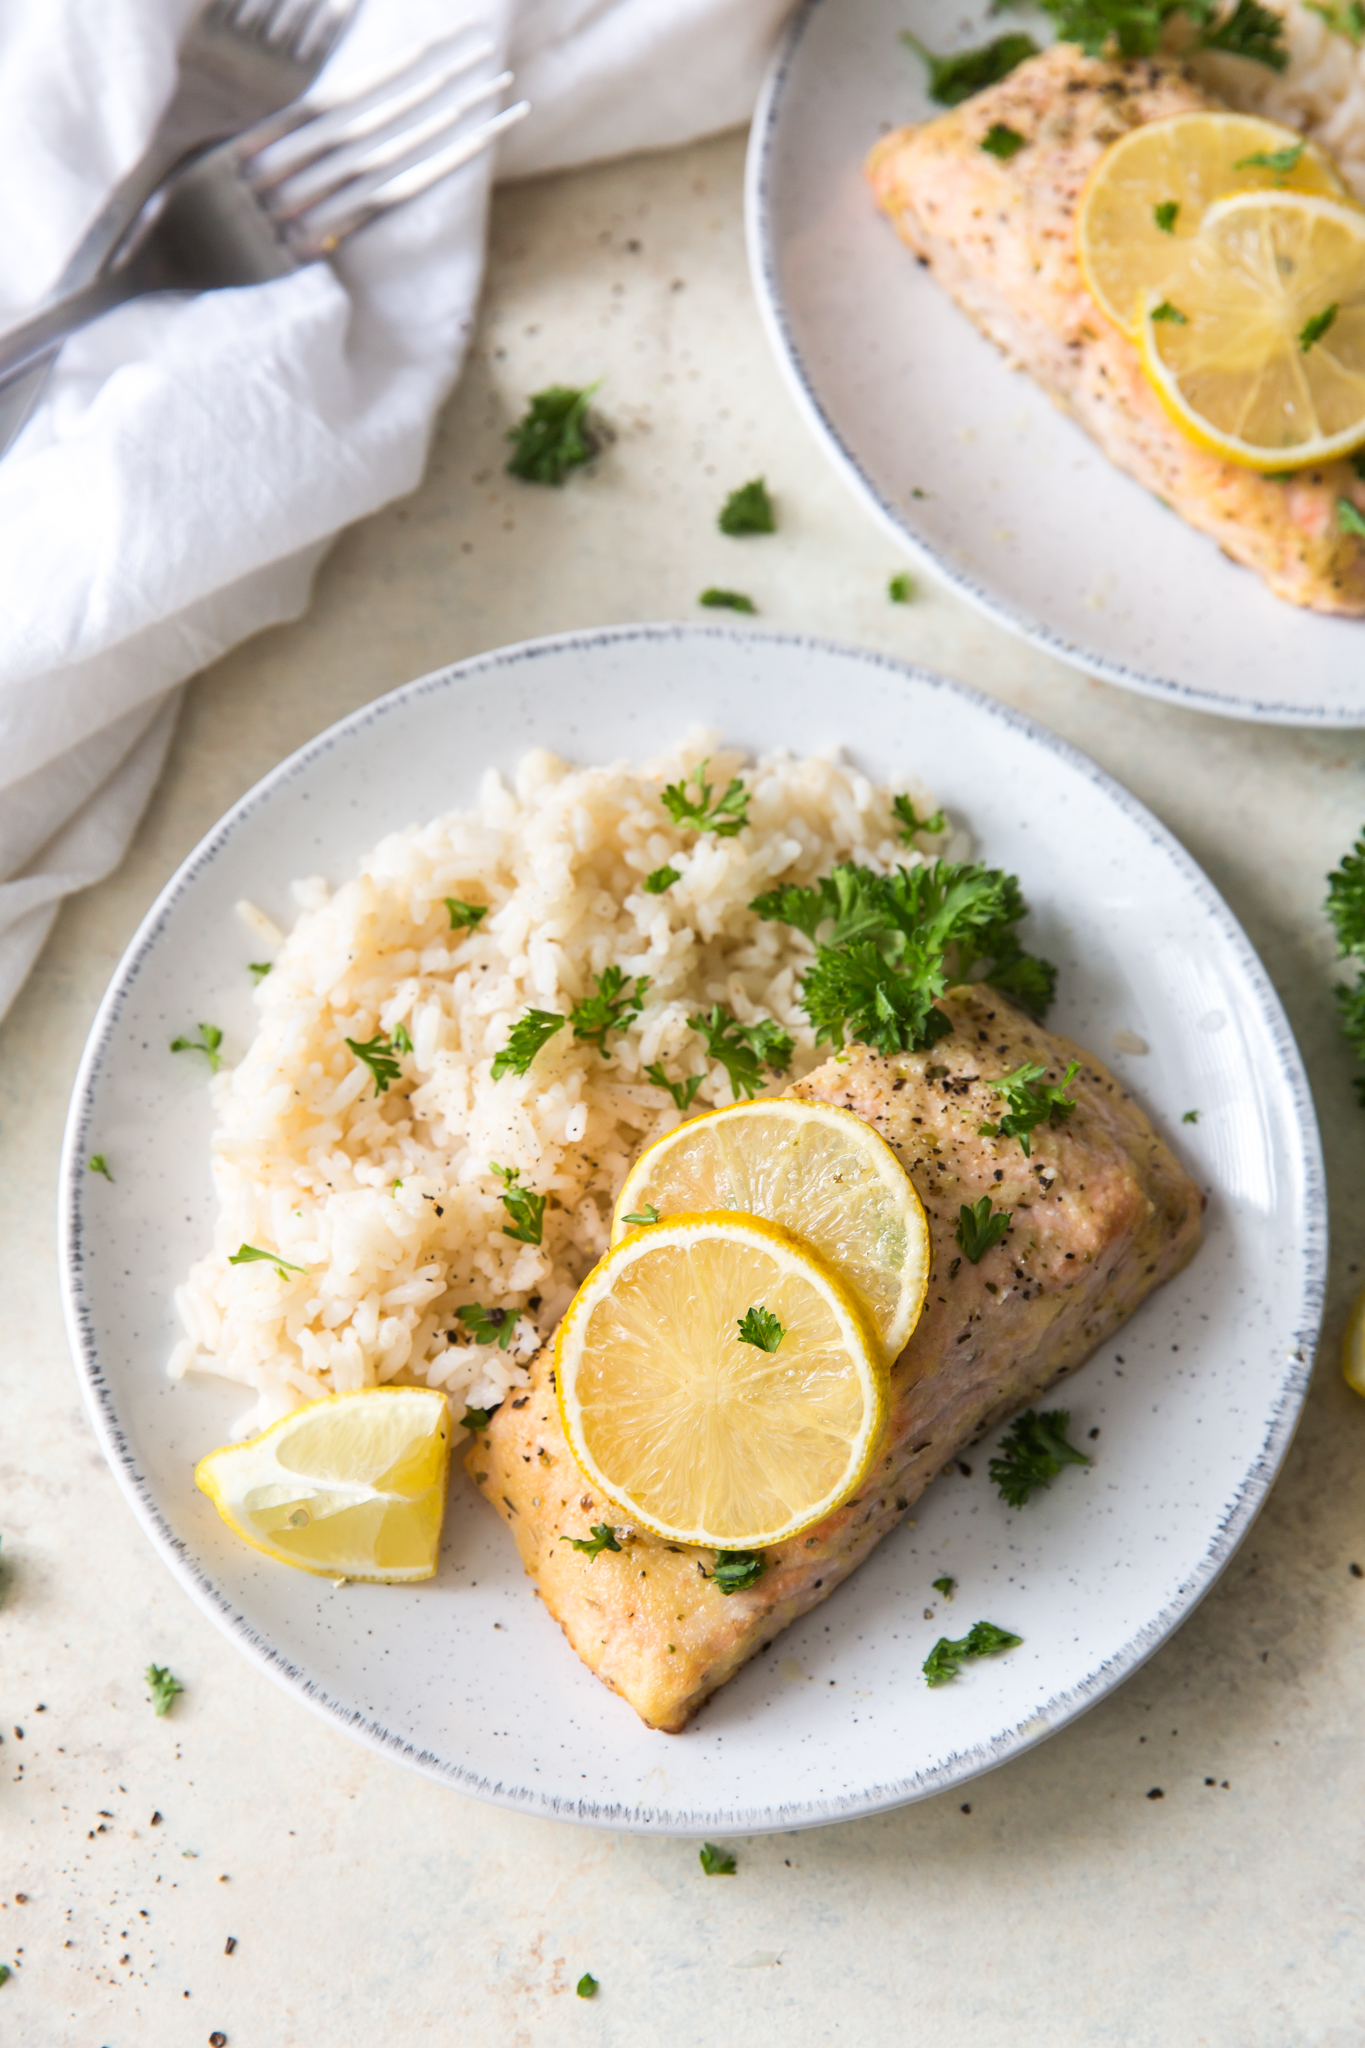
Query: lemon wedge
[
  {"x": 1353, "y": 1348},
  {"x": 822, "y": 1173},
  {"x": 691, "y": 1428},
  {"x": 352, "y": 1487},
  {"x": 1148, "y": 195},
  {"x": 1256, "y": 344}
]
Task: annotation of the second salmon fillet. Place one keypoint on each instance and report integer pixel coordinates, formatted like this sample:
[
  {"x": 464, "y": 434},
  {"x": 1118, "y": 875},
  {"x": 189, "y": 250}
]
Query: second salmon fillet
[{"x": 1000, "y": 236}]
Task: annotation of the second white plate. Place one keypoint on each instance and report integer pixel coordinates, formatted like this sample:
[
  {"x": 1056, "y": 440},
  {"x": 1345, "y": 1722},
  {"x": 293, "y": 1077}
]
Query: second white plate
[{"x": 965, "y": 461}]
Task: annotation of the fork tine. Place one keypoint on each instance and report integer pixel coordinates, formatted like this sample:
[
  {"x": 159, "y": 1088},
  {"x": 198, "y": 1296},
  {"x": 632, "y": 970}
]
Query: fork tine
[
  {"x": 321, "y": 237},
  {"x": 323, "y": 29},
  {"x": 332, "y": 173}
]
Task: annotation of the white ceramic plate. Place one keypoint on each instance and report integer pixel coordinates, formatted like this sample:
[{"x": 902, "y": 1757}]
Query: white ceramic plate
[
  {"x": 1019, "y": 510},
  {"x": 467, "y": 1677}
]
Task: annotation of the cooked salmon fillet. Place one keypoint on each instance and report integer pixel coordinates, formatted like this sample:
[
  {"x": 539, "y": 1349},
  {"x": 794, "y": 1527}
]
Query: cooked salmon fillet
[
  {"x": 1103, "y": 1213},
  {"x": 1001, "y": 237}
]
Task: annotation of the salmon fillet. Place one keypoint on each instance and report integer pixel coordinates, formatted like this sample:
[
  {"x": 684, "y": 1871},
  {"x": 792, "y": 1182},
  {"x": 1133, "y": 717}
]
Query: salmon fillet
[
  {"x": 1103, "y": 1213},
  {"x": 1001, "y": 238}
]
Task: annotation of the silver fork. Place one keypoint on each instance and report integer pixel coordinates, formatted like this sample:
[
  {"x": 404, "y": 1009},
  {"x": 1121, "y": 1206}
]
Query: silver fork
[
  {"x": 287, "y": 192},
  {"x": 240, "y": 60}
]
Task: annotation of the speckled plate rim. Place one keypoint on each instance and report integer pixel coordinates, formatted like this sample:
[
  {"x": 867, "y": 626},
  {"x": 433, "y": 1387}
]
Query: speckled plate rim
[
  {"x": 766, "y": 278},
  {"x": 958, "y": 1768}
]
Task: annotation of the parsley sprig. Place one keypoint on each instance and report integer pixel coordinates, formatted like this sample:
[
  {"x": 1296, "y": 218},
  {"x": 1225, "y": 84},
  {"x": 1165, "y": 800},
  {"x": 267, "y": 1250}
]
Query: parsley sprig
[
  {"x": 553, "y": 436},
  {"x": 978, "y": 1228},
  {"x": 163, "y": 1687},
  {"x": 744, "y": 1050},
  {"x": 603, "y": 1537},
  {"x": 208, "y": 1042},
  {"x": 725, "y": 816},
  {"x": 759, "y": 1326},
  {"x": 748, "y": 510},
  {"x": 248, "y": 1254},
  {"x": 526, "y": 1210},
  {"x": 524, "y": 1041},
  {"x": 610, "y": 1007},
  {"x": 488, "y": 1325},
  {"x": 681, "y": 1091},
  {"x": 947, "y": 1657},
  {"x": 1134, "y": 28},
  {"x": 1030, "y": 1105},
  {"x": 1032, "y": 1453},
  {"x": 736, "y": 1570},
  {"x": 380, "y": 1055},
  {"x": 1346, "y": 908},
  {"x": 911, "y": 823},
  {"x": 956, "y": 76}
]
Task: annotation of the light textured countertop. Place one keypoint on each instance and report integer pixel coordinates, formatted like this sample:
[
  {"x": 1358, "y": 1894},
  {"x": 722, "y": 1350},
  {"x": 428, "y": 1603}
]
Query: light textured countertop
[{"x": 368, "y": 1906}]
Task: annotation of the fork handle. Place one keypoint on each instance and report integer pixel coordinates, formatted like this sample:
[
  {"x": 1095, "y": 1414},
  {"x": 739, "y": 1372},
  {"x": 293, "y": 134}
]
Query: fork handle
[{"x": 37, "y": 338}]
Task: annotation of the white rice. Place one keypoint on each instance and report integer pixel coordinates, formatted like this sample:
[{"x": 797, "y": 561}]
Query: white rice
[
  {"x": 388, "y": 1201},
  {"x": 1321, "y": 92}
]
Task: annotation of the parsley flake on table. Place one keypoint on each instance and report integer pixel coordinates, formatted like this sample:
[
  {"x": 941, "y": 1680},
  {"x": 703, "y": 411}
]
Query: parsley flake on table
[
  {"x": 603, "y": 1537},
  {"x": 380, "y": 1056},
  {"x": 208, "y": 1042},
  {"x": 716, "y": 599},
  {"x": 945, "y": 1586},
  {"x": 1313, "y": 330},
  {"x": 464, "y": 916},
  {"x": 524, "y": 1041},
  {"x": 901, "y": 588},
  {"x": 1165, "y": 213},
  {"x": 681, "y": 1091},
  {"x": 912, "y": 823},
  {"x": 526, "y": 1210},
  {"x": 163, "y": 1687},
  {"x": 552, "y": 437},
  {"x": 1166, "y": 311},
  {"x": 248, "y": 1254},
  {"x": 1191, "y": 1116},
  {"x": 259, "y": 969},
  {"x": 1002, "y": 141},
  {"x": 978, "y": 1228},
  {"x": 1032, "y": 1453},
  {"x": 759, "y": 1326},
  {"x": 640, "y": 1218},
  {"x": 587, "y": 1986},
  {"x": 1349, "y": 518},
  {"x": 743, "y": 1049},
  {"x": 610, "y": 1007},
  {"x": 748, "y": 510},
  {"x": 488, "y": 1325},
  {"x": 726, "y": 816},
  {"x": 958, "y": 74},
  {"x": 715, "y": 1861},
  {"x": 947, "y": 1657},
  {"x": 660, "y": 879},
  {"x": 97, "y": 1163},
  {"x": 736, "y": 1570},
  {"x": 1030, "y": 1105}
]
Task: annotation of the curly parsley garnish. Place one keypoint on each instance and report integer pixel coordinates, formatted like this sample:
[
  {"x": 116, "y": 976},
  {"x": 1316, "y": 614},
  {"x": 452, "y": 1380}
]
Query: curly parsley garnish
[
  {"x": 726, "y": 816},
  {"x": 748, "y": 510},
  {"x": 1030, "y": 1105},
  {"x": 726, "y": 600},
  {"x": 610, "y": 1007},
  {"x": 956, "y": 76},
  {"x": 208, "y": 1042},
  {"x": 743, "y": 1049},
  {"x": 1313, "y": 330},
  {"x": 603, "y": 1537},
  {"x": 524, "y": 1041},
  {"x": 1000, "y": 140},
  {"x": 911, "y": 822},
  {"x": 659, "y": 880},
  {"x": 1133, "y": 28},
  {"x": 464, "y": 916},
  {"x": 759, "y": 1326},
  {"x": 1165, "y": 213},
  {"x": 248, "y": 1254},
  {"x": 681, "y": 1091},
  {"x": 552, "y": 437},
  {"x": 737, "y": 1570},
  {"x": 488, "y": 1325},
  {"x": 526, "y": 1210},
  {"x": 715, "y": 1861},
  {"x": 978, "y": 1228},
  {"x": 1032, "y": 1453},
  {"x": 97, "y": 1163},
  {"x": 947, "y": 1657},
  {"x": 163, "y": 1687}
]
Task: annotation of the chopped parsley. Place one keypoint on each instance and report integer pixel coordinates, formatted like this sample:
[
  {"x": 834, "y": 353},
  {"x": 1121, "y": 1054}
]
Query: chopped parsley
[
  {"x": 715, "y": 1861},
  {"x": 259, "y": 969},
  {"x": 748, "y": 510},
  {"x": 892, "y": 944},
  {"x": 1165, "y": 213},
  {"x": 978, "y": 1228},
  {"x": 759, "y": 1326},
  {"x": 1281, "y": 161},
  {"x": 1032, "y": 1453},
  {"x": 1133, "y": 28},
  {"x": 737, "y": 1570},
  {"x": 401, "y": 1041},
  {"x": 1002, "y": 141},
  {"x": 248, "y": 1254},
  {"x": 609, "y": 1008},
  {"x": 603, "y": 1537},
  {"x": 5, "y": 1973},
  {"x": 524, "y": 1041},
  {"x": 1313, "y": 330},
  {"x": 946, "y": 1586},
  {"x": 97, "y": 1163},
  {"x": 163, "y": 1687},
  {"x": 681, "y": 1091},
  {"x": 956, "y": 76},
  {"x": 379, "y": 1055},
  {"x": 1349, "y": 519},
  {"x": 900, "y": 589},
  {"x": 464, "y": 916},
  {"x": 659, "y": 880},
  {"x": 743, "y": 1049},
  {"x": 1166, "y": 311},
  {"x": 641, "y": 1217},
  {"x": 1344, "y": 20},
  {"x": 208, "y": 1042},
  {"x": 1249, "y": 31},
  {"x": 726, "y": 816},
  {"x": 552, "y": 437},
  {"x": 488, "y": 1325},
  {"x": 947, "y": 1657},
  {"x": 1191, "y": 1116},
  {"x": 911, "y": 822},
  {"x": 726, "y": 600},
  {"x": 477, "y": 1418},
  {"x": 526, "y": 1210},
  {"x": 1345, "y": 907},
  {"x": 587, "y": 1985},
  {"x": 1030, "y": 1105}
]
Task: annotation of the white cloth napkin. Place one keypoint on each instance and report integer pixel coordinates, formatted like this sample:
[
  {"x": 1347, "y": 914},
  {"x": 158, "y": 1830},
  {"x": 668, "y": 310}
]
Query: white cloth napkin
[{"x": 191, "y": 458}]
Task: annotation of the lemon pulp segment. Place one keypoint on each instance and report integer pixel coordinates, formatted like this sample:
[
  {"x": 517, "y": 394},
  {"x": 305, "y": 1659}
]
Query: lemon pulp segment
[
  {"x": 1266, "y": 366},
  {"x": 822, "y": 1173},
  {"x": 349, "y": 1487},
  {"x": 692, "y": 1432}
]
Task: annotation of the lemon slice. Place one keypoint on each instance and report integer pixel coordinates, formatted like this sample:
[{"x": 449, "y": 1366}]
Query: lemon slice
[
  {"x": 1185, "y": 162},
  {"x": 1353, "y": 1348},
  {"x": 352, "y": 1487},
  {"x": 819, "y": 1171},
  {"x": 1256, "y": 346},
  {"x": 688, "y": 1429}
]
